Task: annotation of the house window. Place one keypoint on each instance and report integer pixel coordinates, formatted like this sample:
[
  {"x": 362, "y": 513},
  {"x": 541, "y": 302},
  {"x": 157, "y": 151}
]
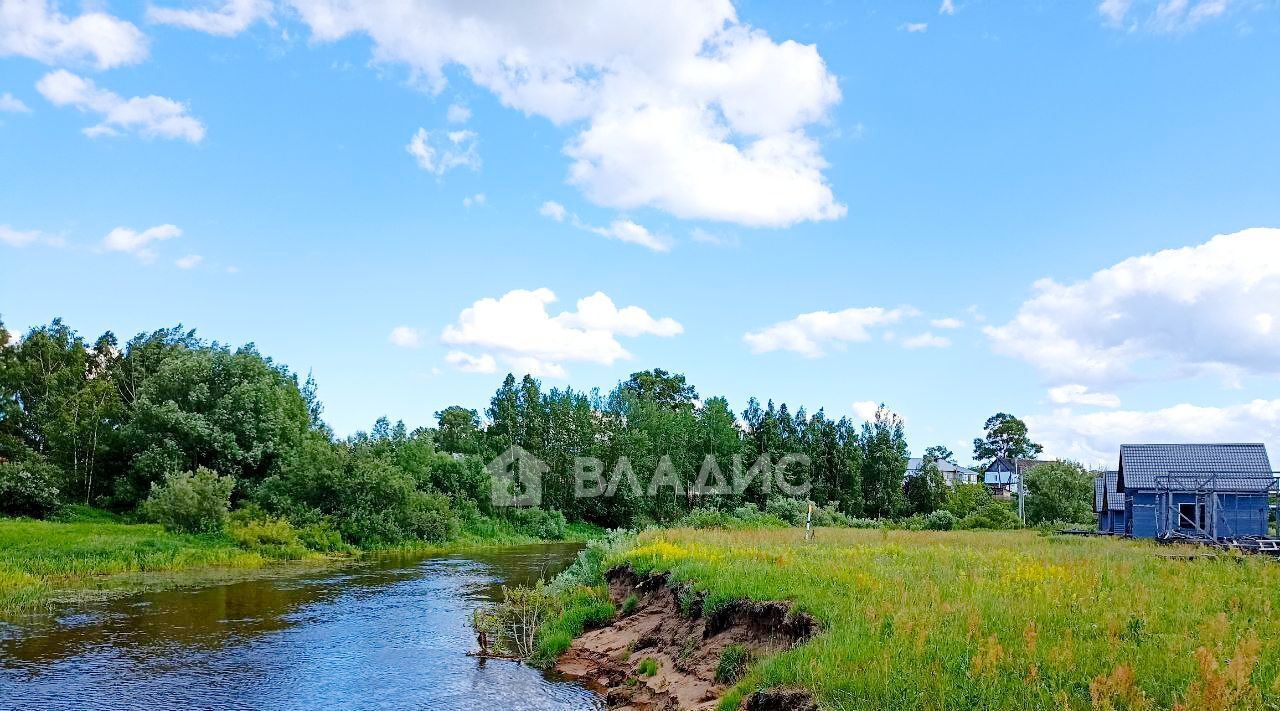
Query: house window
[{"x": 1188, "y": 516}]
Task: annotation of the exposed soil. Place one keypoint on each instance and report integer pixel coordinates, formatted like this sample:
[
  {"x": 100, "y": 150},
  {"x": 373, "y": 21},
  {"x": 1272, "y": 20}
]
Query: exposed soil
[{"x": 686, "y": 645}]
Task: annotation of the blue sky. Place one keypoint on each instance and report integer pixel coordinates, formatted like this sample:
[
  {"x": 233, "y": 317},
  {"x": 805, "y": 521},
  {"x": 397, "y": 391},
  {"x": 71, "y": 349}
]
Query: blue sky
[{"x": 828, "y": 204}]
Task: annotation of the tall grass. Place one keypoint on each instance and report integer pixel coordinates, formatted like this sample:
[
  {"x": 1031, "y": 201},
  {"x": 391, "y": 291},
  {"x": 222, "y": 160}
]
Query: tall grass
[
  {"x": 996, "y": 620},
  {"x": 38, "y": 557}
]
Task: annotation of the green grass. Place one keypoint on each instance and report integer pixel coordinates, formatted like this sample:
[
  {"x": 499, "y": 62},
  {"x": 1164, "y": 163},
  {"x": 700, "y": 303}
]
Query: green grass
[
  {"x": 648, "y": 667},
  {"x": 38, "y": 558},
  {"x": 81, "y": 548},
  {"x": 995, "y": 620}
]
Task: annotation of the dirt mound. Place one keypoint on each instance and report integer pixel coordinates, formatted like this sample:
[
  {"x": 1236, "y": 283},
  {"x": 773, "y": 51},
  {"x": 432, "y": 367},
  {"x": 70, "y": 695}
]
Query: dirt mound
[{"x": 667, "y": 626}]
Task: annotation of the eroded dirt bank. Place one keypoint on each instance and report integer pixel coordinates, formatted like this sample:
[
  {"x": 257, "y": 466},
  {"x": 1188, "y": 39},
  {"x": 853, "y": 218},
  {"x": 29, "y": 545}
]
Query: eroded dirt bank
[{"x": 669, "y": 626}]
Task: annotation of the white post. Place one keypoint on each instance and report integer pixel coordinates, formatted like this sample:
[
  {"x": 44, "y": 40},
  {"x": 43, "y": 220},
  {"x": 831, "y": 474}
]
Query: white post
[{"x": 808, "y": 523}]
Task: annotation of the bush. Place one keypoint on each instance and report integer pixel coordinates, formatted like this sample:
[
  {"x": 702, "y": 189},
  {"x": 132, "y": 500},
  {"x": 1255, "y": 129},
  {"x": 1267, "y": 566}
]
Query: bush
[
  {"x": 539, "y": 523},
  {"x": 964, "y": 499},
  {"x": 733, "y": 664},
  {"x": 1059, "y": 491},
  {"x": 746, "y": 516},
  {"x": 793, "y": 511},
  {"x": 190, "y": 503},
  {"x": 941, "y": 520},
  {"x": 28, "y": 488},
  {"x": 647, "y": 667},
  {"x": 630, "y": 604},
  {"x": 322, "y": 537},
  {"x": 995, "y": 516}
]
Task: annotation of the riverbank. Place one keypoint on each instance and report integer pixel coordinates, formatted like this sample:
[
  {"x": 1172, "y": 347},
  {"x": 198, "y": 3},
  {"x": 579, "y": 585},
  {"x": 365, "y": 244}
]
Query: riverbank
[
  {"x": 92, "y": 554},
  {"x": 917, "y": 620}
]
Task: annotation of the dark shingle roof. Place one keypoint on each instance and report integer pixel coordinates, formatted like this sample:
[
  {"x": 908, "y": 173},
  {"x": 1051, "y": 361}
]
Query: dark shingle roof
[
  {"x": 1233, "y": 467},
  {"x": 1001, "y": 471},
  {"x": 1115, "y": 499}
]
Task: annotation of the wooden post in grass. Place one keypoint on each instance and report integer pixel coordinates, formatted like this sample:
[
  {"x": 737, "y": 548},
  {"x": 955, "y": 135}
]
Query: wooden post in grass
[{"x": 808, "y": 523}]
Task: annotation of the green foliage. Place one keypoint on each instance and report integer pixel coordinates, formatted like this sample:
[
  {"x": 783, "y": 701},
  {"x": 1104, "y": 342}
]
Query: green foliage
[
  {"x": 964, "y": 499},
  {"x": 742, "y": 517},
  {"x": 629, "y": 605},
  {"x": 884, "y": 457},
  {"x": 647, "y": 667},
  {"x": 28, "y": 488},
  {"x": 941, "y": 520},
  {"x": 1059, "y": 491},
  {"x": 189, "y": 502},
  {"x": 539, "y": 523},
  {"x": 927, "y": 490},
  {"x": 995, "y": 516},
  {"x": 1004, "y": 436},
  {"x": 734, "y": 660}
]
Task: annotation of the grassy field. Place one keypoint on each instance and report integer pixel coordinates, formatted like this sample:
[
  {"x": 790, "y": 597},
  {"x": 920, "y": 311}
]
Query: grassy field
[
  {"x": 40, "y": 558},
  {"x": 996, "y": 620},
  {"x": 44, "y": 561}
]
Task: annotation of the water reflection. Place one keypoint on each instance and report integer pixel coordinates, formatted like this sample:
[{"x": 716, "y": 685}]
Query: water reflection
[{"x": 387, "y": 634}]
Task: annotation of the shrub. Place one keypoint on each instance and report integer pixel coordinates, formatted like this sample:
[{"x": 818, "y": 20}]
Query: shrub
[
  {"x": 630, "y": 604},
  {"x": 322, "y": 537},
  {"x": 539, "y": 523},
  {"x": 190, "y": 503},
  {"x": 746, "y": 516},
  {"x": 28, "y": 488},
  {"x": 940, "y": 520},
  {"x": 647, "y": 667},
  {"x": 793, "y": 511},
  {"x": 964, "y": 499},
  {"x": 733, "y": 664},
  {"x": 995, "y": 516},
  {"x": 1059, "y": 491}
]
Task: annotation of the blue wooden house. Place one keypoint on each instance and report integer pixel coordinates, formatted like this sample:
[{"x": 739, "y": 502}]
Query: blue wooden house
[
  {"x": 1213, "y": 491},
  {"x": 1108, "y": 503}
]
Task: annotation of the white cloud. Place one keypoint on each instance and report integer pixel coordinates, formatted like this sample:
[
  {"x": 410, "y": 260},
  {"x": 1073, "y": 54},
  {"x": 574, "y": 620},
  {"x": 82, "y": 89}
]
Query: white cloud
[
  {"x": 151, "y": 116},
  {"x": 810, "y": 333},
  {"x": 1178, "y": 312},
  {"x": 441, "y": 151},
  {"x": 467, "y": 363},
  {"x": 633, "y": 233},
  {"x": 1165, "y": 16},
  {"x": 554, "y": 210},
  {"x": 476, "y": 200},
  {"x": 682, "y": 107},
  {"x": 458, "y": 113},
  {"x": 35, "y": 29},
  {"x": 914, "y": 27},
  {"x": 124, "y": 239},
  {"x": 865, "y": 410},
  {"x": 1081, "y": 395},
  {"x": 1096, "y": 437},
  {"x": 717, "y": 240},
  {"x": 620, "y": 229},
  {"x": 947, "y": 323},
  {"x": 191, "y": 261},
  {"x": 947, "y": 7},
  {"x": 19, "y": 238},
  {"x": 405, "y": 337},
  {"x": 1114, "y": 11},
  {"x": 598, "y": 313},
  {"x": 231, "y": 17},
  {"x": 518, "y": 328},
  {"x": 926, "y": 340},
  {"x": 12, "y": 104}
]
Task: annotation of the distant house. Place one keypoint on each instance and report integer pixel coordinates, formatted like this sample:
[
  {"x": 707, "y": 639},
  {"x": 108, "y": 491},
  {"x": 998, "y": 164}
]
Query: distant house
[
  {"x": 1197, "y": 490},
  {"x": 952, "y": 473},
  {"x": 1108, "y": 503},
  {"x": 1002, "y": 475}
]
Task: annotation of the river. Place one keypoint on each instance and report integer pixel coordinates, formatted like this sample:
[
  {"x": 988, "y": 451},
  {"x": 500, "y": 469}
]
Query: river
[{"x": 380, "y": 634}]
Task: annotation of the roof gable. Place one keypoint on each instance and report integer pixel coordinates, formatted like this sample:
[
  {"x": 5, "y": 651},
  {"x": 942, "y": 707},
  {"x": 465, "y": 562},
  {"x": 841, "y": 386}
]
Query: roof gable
[{"x": 1233, "y": 467}]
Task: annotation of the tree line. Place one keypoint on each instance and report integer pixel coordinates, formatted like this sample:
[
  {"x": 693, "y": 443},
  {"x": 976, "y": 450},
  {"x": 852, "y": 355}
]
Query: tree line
[{"x": 105, "y": 423}]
